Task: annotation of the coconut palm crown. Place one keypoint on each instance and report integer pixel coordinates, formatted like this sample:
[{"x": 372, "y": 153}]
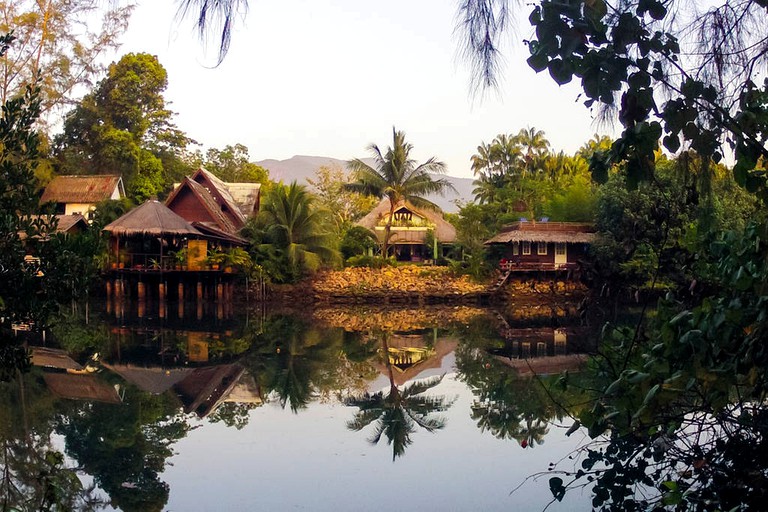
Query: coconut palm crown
[{"x": 397, "y": 177}]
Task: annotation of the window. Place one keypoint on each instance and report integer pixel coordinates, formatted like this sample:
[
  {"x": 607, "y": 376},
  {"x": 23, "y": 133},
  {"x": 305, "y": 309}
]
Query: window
[
  {"x": 515, "y": 248},
  {"x": 526, "y": 248},
  {"x": 541, "y": 248},
  {"x": 560, "y": 249}
]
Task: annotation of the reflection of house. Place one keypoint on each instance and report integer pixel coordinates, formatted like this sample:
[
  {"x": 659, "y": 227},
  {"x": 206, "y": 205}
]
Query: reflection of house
[
  {"x": 410, "y": 355},
  {"x": 81, "y": 387},
  {"x": 204, "y": 389},
  {"x": 80, "y": 194},
  {"x": 201, "y": 390},
  {"x": 410, "y": 230},
  {"x": 543, "y": 245},
  {"x": 543, "y": 350},
  {"x": 207, "y": 202}
]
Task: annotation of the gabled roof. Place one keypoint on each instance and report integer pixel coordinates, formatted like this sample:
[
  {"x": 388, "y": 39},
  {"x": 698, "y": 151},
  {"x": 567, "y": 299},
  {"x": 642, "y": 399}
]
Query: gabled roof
[
  {"x": 151, "y": 218},
  {"x": 208, "y": 203},
  {"x": 82, "y": 189},
  {"x": 64, "y": 224},
  {"x": 567, "y": 232},
  {"x": 220, "y": 190},
  {"x": 444, "y": 231}
]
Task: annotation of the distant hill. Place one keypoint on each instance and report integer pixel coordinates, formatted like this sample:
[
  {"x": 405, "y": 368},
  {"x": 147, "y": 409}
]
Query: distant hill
[{"x": 301, "y": 167}]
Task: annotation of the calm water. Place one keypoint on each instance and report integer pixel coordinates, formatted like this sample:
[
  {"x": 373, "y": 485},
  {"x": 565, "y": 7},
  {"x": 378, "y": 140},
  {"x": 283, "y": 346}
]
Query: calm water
[{"x": 333, "y": 409}]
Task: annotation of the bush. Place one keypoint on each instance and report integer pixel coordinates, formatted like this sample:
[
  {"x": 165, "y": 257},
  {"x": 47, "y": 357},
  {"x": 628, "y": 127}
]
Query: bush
[
  {"x": 357, "y": 241},
  {"x": 370, "y": 261}
]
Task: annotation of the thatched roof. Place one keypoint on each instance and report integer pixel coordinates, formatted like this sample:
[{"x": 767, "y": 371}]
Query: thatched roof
[
  {"x": 82, "y": 189},
  {"x": 153, "y": 380},
  {"x": 151, "y": 218},
  {"x": 81, "y": 387},
  {"x": 444, "y": 231},
  {"x": 562, "y": 232},
  {"x": 53, "y": 358},
  {"x": 64, "y": 224}
]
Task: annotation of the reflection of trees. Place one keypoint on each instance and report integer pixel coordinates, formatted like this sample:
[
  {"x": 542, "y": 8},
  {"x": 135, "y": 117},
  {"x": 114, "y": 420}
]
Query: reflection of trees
[
  {"x": 33, "y": 475},
  {"x": 125, "y": 446},
  {"x": 398, "y": 412},
  {"x": 506, "y": 405},
  {"x": 293, "y": 361}
]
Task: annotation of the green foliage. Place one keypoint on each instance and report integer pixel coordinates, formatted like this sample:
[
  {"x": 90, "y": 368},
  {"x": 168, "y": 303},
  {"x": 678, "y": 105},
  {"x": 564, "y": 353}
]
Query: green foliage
[
  {"x": 123, "y": 127},
  {"x": 288, "y": 236},
  {"x": 24, "y": 297},
  {"x": 622, "y": 53},
  {"x": 357, "y": 241},
  {"x": 63, "y": 39},
  {"x": 232, "y": 164},
  {"x": 681, "y": 399},
  {"x": 344, "y": 206},
  {"x": 370, "y": 261}
]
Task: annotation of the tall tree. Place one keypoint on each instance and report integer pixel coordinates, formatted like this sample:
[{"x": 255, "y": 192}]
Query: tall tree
[
  {"x": 344, "y": 206},
  {"x": 122, "y": 127},
  {"x": 232, "y": 164},
  {"x": 23, "y": 296},
  {"x": 396, "y": 176},
  {"x": 60, "y": 45}
]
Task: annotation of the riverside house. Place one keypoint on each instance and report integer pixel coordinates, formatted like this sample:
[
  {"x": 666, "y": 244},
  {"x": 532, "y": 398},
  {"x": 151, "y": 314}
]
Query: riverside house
[
  {"x": 411, "y": 227},
  {"x": 79, "y": 195},
  {"x": 543, "y": 246}
]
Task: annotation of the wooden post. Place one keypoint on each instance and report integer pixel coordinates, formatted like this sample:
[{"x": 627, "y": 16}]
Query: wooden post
[
  {"x": 181, "y": 291},
  {"x": 161, "y": 291},
  {"x": 109, "y": 289},
  {"x": 142, "y": 291},
  {"x": 181, "y": 309},
  {"x": 199, "y": 291},
  {"x": 220, "y": 292}
]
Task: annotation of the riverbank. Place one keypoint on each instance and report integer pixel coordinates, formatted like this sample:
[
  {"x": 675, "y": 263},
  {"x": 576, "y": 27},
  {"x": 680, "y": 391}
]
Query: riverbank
[{"x": 419, "y": 285}]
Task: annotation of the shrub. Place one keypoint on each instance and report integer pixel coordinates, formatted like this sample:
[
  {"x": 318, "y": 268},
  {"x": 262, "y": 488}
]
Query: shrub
[{"x": 370, "y": 261}]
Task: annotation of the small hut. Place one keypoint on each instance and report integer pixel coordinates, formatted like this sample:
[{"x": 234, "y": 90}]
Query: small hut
[
  {"x": 152, "y": 236},
  {"x": 531, "y": 245},
  {"x": 410, "y": 228}
]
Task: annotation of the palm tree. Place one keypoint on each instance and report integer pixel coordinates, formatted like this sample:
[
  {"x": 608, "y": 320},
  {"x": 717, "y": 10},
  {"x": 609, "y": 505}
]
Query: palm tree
[
  {"x": 534, "y": 145},
  {"x": 397, "y": 177},
  {"x": 293, "y": 227}
]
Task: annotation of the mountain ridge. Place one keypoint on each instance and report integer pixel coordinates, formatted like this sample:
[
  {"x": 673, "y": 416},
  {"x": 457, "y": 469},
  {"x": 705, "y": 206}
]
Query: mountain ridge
[{"x": 301, "y": 167}]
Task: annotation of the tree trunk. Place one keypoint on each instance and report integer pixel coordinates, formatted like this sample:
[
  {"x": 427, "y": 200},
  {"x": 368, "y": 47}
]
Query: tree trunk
[{"x": 387, "y": 229}]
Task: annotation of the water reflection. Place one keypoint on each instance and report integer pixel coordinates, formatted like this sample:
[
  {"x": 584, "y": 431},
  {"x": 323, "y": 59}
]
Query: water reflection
[
  {"x": 400, "y": 410},
  {"x": 127, "y": 390}
]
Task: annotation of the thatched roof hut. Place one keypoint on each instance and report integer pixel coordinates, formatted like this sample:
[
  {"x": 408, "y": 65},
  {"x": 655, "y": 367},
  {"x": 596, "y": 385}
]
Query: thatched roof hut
[
  {"x": 83, "y": 189},
  {"x": 444, "y": 231},
  {"x": 151, "y": 218}
]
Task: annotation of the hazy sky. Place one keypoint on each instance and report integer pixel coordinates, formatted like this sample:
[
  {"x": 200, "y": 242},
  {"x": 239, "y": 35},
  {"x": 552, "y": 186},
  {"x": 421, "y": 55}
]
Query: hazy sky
[{"x": 329, "y": 77}]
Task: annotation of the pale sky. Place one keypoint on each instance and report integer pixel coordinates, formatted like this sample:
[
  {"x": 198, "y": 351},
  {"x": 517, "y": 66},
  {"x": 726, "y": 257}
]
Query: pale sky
[{"x": 329, "y": 77}]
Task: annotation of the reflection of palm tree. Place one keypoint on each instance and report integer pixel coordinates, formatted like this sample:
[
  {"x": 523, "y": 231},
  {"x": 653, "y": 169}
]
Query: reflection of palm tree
[{"x": 398, "y": 412}]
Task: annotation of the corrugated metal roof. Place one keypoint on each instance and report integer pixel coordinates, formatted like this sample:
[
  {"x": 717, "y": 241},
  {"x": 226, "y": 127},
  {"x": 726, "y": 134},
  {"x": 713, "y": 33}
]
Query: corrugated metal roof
[{"x": 80, "y": 189}]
